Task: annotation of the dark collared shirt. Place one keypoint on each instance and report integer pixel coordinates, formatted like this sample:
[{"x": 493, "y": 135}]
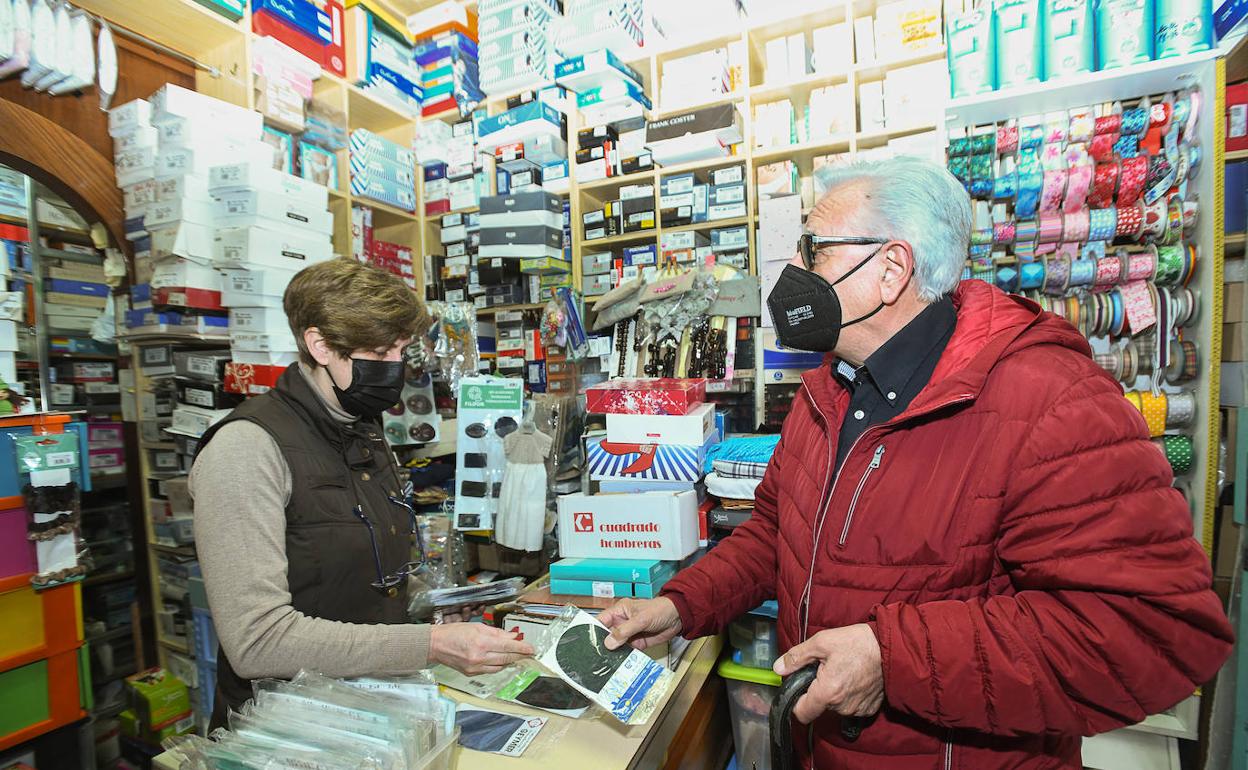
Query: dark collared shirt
[{"x": 894, "y": 374}]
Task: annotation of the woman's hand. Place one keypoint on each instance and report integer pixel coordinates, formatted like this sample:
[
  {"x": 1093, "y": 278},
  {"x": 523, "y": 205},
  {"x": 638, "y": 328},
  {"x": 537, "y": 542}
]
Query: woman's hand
[{"x": 475, "y": 648}]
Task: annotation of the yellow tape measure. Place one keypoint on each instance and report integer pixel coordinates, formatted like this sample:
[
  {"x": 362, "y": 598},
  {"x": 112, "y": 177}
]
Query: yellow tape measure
[{"x": 1214, "y": 428}]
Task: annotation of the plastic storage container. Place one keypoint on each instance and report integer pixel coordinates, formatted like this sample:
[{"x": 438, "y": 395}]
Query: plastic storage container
[
  {"x": 750, "y": 693},
  {"x": 754, "y": 641}
]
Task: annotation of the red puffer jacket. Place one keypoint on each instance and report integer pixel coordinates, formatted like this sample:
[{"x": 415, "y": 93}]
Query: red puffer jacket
[{"x": 1013, "y": 538}]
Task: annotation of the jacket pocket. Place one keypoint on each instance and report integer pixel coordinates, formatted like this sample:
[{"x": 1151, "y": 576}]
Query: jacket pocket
[{"x": 874, "y": 465}]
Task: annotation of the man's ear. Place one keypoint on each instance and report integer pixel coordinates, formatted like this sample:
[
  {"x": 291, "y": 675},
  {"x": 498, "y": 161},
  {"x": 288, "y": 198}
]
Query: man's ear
[
  {"x": 898, "y": 271},
  {"x": 317, "y": 347}
]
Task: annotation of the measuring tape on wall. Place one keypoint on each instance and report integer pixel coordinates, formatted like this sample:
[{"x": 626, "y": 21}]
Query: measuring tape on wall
[{"x": 1213, "y": 430}]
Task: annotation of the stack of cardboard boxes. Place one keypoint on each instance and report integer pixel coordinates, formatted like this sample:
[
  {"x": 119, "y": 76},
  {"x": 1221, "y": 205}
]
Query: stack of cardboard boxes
[
  {"x": 382, "y": 170},
  {"x": 159, "y": 707},
  {"x": 379, "y": 57},
  {"x": 446, "y": 53},
  {"x": 521, "y": 235},
  {"x": 313, "y": 29},
  {"x": 516, "y": 50}
]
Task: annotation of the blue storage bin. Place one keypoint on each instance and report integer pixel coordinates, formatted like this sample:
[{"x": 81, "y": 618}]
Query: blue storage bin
[{"x": 205, "y": 636}]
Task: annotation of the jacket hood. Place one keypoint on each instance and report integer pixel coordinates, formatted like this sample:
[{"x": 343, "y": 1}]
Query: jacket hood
[{"x": 991, "y": 326}]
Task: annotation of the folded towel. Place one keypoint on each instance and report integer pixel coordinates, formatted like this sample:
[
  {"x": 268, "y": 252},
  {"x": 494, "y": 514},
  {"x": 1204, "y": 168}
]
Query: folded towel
[
  {"x": 738, "y": 469},
  {"x": 730, "y": 489}
]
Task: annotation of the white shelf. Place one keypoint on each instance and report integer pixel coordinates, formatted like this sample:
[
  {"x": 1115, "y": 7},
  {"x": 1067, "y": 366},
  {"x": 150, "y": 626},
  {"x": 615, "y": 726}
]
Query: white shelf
[{"x": 1087, "y": 89}]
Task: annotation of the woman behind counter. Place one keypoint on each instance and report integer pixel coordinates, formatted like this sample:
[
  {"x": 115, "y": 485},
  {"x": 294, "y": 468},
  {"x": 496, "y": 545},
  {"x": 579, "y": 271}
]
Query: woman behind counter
[{"x": 295, "y": 487}]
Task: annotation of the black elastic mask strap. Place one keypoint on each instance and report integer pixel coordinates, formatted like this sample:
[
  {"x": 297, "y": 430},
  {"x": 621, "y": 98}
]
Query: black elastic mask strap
[
  {"x": 864, "y": 317},
  {"x": 858, "y": 266}
]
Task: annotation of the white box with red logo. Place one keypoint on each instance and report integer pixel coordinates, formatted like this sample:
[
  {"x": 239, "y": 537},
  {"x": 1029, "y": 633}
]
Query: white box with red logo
[
  {"x": 655, "y": 525},
  {"x": 692, "y": 429}
]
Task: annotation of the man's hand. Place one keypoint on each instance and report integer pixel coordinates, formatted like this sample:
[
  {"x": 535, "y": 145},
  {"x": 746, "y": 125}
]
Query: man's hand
[
  {"x": 475, "y": 648},
  {"x": 645, "y": 623},
  {"x": 850, "y": 679}
]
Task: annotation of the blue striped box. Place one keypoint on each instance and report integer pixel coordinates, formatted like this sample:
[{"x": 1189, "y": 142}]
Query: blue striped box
[{"x": 659, "y": 462}]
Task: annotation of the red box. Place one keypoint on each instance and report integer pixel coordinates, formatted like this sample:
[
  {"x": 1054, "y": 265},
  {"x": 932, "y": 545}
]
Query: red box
[
  {"x": 251, "y": 379},
  {"x": 434, "y": 108},
  {"x": 331, "y": 57},
  {"x": 187, "y": 297},
  {"x": 106, "y": 459},
  {"x": 665, "y": 396},
  {"x": 1237, "y": 117},
  {"x": 442, "y": 206}
]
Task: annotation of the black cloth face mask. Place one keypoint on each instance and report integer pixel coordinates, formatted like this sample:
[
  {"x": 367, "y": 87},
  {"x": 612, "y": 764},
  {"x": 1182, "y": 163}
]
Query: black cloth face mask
[
  {"x": 806, "y": 311},
  {"x": 375, "y": 387}
]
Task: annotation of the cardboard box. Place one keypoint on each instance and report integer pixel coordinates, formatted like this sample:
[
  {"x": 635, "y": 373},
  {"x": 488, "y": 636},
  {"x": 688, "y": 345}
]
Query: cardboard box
[
  {"x": 157, "y": 698},
  {"x": 651, "y": 526},
  {"x": 202, "y": 366},
  {"x": 195, "y": 421},
  {"x": 692, "y": 428},
  {"x": 623, "y": 461},
  {"x": 248, "y": 247},
  {"x": 624, "y": 570},
  {"x": 254, "y": 207},
  {"x": 1234, "y": 342},
  {"x": 605, "y": 589}
]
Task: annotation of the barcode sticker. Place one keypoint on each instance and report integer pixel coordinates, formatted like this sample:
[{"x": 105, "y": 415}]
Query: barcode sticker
[
  {"x": 604, "y": 589},
  {"x": 59, "y": 459}
]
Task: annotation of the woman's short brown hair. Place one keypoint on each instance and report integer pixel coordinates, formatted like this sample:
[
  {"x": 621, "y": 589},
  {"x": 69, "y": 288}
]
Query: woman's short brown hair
[{"x": 355, "y": 306}]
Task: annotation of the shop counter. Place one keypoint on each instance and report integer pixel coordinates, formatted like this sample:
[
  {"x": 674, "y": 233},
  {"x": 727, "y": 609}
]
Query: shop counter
[{"x": 690, "y": 729}]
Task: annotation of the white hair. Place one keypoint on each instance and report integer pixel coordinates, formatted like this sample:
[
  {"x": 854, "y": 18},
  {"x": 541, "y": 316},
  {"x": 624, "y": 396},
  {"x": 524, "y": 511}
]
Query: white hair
[{"x": 917, "y": 201}]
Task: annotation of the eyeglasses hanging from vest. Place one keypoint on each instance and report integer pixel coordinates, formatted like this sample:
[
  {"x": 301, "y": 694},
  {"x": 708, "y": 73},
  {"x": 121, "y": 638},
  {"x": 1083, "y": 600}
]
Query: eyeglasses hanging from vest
[{"x": 384, "y": 581}]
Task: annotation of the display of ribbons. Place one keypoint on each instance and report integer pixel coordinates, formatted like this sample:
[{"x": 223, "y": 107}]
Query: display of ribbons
[{"x": 1178, "y": 452}]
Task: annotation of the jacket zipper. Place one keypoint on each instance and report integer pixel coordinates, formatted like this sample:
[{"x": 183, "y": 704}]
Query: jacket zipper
[
  {"x": 826, "y": 502},
  {"x": 862, "y": 482},
  {"x": 949, "y": 750}
]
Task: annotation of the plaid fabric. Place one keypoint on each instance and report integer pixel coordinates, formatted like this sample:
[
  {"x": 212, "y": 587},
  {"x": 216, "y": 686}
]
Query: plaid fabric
[{"x": 737, "y": 469}]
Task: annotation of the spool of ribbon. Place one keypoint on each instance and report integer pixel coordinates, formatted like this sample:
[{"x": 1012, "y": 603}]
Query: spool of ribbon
[
  {"x": 1184, "y": 362},
  {"x": 1131, "y": 180},
  {"x": 1181, "y": 409},
  {"x": 1101, "y": 148},
  {"x": 980, "y": 189},
  {"x": 1082, "y": 126},
  {"x": 1007, "y": 139},
  {"x": 1078, "y": 182},
  {"x": 959, "y": 146},
  {"x": 982, "y": 236},
  {"x": 1153, "y": 407},
  {"x": 1104, "y": 185},
  {"x": 1191, "y": 215},
  {"x": 1056, "y": 274},
  {"x": 1160, "y": 177},
  {"x": 1142, "y": 265},
  {"x": 984, "y": 143},
  {"x": 1154, "y": 221},
  {"x": 1025, "y": 231},
  {"x": 960, "y": 167},
  {"x": 1134, "y": 121},
  {"x": 1054, "y": 190},
  {"x": 1082, "y": 272},
  {"x": 1005, "y": 186},
  {"x": 1110, "y": 362},
  {"x": 1109, "y": 124},
  {"x": 1182, "y": 109},
  {"x": 1130, "y": 364},
  {"x": 1108, "y": 272},
  {"x": 1102, "y": 224},
  {"x": 1178, "y": 451},
  {"x": 1075, "y": 226},
  {"x": 1119, "y": 315},
  {"x": 1169, "y": 265},
  {"x": 1031, "y": 137},
  {"x": 1159, "y": 115},
  {"x": 1003, "y": 232},
  {"x": 1127, "y": 146},
  {"x": 1030, "y": 185},
  {"x": 1192, "y": 307},
  {"x": 1007, "y": 279},
  {"x": 1174, "y": 221},
  {"x": 1031, "y": 276},
  {"x": 1050, "y": 228},
  {"x": 1130, "y": 221}
]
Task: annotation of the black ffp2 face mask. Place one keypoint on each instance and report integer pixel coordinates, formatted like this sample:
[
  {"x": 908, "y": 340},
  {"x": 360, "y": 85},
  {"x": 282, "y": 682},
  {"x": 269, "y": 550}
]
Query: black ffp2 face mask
[
  {"x": 806, "y": 311},
  {"x": 375, "y": 387}
]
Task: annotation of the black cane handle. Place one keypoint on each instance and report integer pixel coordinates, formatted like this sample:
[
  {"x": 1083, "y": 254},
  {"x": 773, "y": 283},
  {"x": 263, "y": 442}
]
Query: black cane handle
[{"x": 791, "y": 690}]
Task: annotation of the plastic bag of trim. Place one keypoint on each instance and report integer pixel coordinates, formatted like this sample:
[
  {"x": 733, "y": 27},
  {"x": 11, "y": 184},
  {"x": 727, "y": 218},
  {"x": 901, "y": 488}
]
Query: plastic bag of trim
[
  {"x": 625, "y": 682},
  {"x": 281, "y": 735},
  {"x": 231, "y": 752}
]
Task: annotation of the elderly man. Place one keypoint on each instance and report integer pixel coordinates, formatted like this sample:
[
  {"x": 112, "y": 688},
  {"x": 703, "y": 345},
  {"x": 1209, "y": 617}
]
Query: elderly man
[{"x": 964, "y": 523}]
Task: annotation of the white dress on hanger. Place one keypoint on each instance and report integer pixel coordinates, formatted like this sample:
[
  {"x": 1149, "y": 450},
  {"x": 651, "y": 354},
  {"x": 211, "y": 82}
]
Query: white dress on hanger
[{"x": 521, "y": 514}]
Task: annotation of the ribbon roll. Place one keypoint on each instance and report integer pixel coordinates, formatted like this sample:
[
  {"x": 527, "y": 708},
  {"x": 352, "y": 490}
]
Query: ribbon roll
[
  {"x": 1130, "y": 364},
  {"x": 1101, "y": 148},
  {"x": 1082, "y": 272},
  {"x": 1131, "y": 180},
  {"x": 1007, "y": 139},
  {"x": 980, "y": 189},
  {"x": 1154, "y": 409},
  {"x": 1025, "y": 232},
  {"x": 1082, "y": 127},
  {"x": 1003, "y": 232},
  {"x": 1110, "y": 362},
  {"x": 1142, "y": 265},
  {"x": 1076, "y": 224},
  {"x": 1192, "y": 307},
  {"x": 1005, "y": 187},
  {"x": 1134, "y": 121},
  {"x": 1050, "y": 228},
  {"x": 1181, "y": 409},
  {"x": 982, "y": 236},
  {"x": 1029, "y": 187},
  {"x": 1104, "y": 185},
  {"x": 1159, "y": 116},
  {"x": 1109, "y": 124},
  {"x": 1130, "y": 222},
  {"x": 1174, "y": 221},
  {"x": 1127, "y": 147},
  {"x": 1182, "y": 109},
  {"x": 984, "y": 143},
  {"x": 1191, "y": 361},
  {"x": 1078, "y": 182},
  {"x": 1054, "y": 190},
  {"x": 1007, "y": 279},
  {"x": 981, "y": 166},
  {"x": 1108, "y": 272},
  {"x": 1031, "y": 276},
  {"x": 1178, "y": 451},
  {"x": 959, "y": 146},
  {"x": 1191, "y": 253},
  {"x": 1119, "y": 311},
  {"x": 1154, "y": 221},
  {"x": 1031, "y": 138},
  {"x": 960, "y": 167},
  {"x": 1169, "y": 265},
  {"x": 1191, "y": 215},
  {"x": 1102, "y": 225},
  {"x": 1056, "y": 274},
  {"x": 1160, "y": 177}
]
